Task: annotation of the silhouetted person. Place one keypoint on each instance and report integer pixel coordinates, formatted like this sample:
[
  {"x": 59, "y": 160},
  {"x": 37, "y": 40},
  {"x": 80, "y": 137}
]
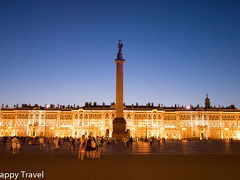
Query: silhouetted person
[{"x": 131, "y": 140}]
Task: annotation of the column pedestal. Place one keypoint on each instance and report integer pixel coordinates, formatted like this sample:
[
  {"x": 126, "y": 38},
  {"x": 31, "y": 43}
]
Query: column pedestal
[{"x": 119, "y": 128}]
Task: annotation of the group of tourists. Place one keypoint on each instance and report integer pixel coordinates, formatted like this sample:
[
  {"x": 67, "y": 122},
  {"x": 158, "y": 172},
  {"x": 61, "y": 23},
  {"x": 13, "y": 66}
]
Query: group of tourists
[
  {"x": 92, "y": 146},
  {"x": 128, "y": 141},
  {"x": 151, "y": 140},
  {"x": 15, "y": 145},
  {"x": 53, "y": 143}
]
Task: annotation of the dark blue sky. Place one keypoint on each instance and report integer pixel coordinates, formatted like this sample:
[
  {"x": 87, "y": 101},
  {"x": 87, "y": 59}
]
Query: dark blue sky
[{"x": 62, "y": 52}]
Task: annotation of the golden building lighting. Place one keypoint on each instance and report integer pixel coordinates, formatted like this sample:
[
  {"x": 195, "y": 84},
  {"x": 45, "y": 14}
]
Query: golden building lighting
[{"x": 142, "y": 121}]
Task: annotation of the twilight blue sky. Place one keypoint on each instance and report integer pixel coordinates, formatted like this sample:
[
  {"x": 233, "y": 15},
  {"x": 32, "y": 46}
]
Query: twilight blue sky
[{"x": 62, "y": 52}]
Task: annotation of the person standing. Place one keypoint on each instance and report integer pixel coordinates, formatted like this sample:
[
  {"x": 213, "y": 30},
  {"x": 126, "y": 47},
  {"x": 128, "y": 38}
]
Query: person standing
[
  {"x": 150, "y": 141},
  {"x": 101, "y": 145},
  {"x": 127, "y": 141},
  {"x": 41, "y": 142},
  {"x": 56, "y": 143},
  {"x": 14, "y": 145},
  {"x": 131, "y": 140},
  {"x": 93, "y": 148},
  {"x": 82, "y": 147},
  {"x": 18, "y": 145},
  {"x": 71, "y": 143},
  {"x": 98, "y": 147},
  {"x": 88, "y": 147},
  {"x": 51, "y": 144},
  {"x": 163, "y": 140}
]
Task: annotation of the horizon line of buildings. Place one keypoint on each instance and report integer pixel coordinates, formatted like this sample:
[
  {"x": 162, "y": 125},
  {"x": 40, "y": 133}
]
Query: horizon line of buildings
[{"x": 176, "y": 122}]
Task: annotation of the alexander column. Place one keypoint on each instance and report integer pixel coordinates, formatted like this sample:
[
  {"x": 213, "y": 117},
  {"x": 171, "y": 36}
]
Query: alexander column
[{"x": 119, "y": 123}]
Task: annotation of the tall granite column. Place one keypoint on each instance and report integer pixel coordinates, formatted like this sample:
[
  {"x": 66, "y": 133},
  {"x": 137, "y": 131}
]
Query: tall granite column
[{"x": 119, "y": 123}]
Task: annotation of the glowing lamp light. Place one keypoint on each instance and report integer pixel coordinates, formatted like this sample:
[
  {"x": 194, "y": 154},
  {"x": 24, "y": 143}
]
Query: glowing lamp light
[
  {"x": 188, "y": 107},
  {"x": 170, "y": 126},
  {"x": 51, "y": 127}
]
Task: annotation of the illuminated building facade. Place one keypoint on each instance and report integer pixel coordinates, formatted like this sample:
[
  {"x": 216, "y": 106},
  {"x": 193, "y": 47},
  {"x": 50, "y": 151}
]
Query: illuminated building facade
[{"x": 142, "y": 121}]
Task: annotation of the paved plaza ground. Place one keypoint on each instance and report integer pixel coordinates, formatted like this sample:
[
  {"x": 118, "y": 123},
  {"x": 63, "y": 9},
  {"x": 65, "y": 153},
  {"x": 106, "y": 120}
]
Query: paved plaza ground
[{"x": 174, "y": 160}]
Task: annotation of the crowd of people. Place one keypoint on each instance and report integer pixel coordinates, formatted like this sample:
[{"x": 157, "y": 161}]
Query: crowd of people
[{"x": 90, "y": 146}]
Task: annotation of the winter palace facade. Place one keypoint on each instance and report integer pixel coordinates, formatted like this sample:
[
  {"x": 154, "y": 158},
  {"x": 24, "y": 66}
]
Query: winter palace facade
[{"x": 142, "y": 121}]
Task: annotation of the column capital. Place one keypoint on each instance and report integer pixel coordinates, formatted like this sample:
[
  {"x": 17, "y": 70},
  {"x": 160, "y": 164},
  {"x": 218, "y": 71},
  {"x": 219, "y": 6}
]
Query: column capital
[{"x": 120, "y": 61}]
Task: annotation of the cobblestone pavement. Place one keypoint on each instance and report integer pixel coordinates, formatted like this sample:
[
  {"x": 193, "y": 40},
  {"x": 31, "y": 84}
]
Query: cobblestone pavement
[
  {"x": 196, "y": 160},
  {"x": 177, "y": 147}
]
